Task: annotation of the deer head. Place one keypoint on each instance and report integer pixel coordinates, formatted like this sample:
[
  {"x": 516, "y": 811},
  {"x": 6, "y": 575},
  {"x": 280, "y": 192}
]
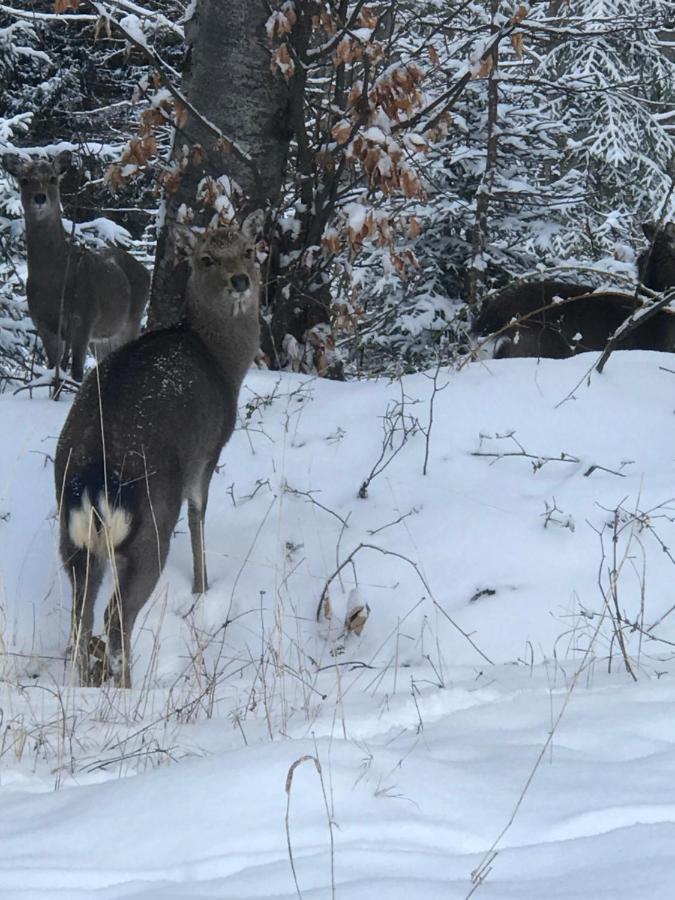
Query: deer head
[
  {"x": 665, "y": 233},
  {"x": 39, "y": 181},
  {"x": 224, "y": 270}
]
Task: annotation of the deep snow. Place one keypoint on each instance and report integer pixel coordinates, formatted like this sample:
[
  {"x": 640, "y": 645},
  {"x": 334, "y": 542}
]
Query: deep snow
[{"x": 484, "y": 580}]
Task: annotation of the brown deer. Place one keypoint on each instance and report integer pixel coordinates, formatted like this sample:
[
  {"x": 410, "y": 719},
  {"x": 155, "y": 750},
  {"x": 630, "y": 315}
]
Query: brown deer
[
  {"x": 145, "y": 433},
  {"x": 76, "y": 296},
  {"x": 558, "y": 319}
]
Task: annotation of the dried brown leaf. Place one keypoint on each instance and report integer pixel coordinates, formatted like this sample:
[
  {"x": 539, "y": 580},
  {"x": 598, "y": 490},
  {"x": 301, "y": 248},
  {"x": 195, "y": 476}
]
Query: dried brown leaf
[
  {"x": 485, "y": 67},
  {"x": 326, "y": 608},
  {"x": 414, "y": 228},
  {"x": 181, "y": 114},
  {"x": 282, "y": 62},
  {"x": 61, "y": 6},
  {"x": 367, "y": 18},
  {"x": 517, "y": 44},
  {"x": 519, "y": 15},
  {"x": 114, "y": 178},
  {"x": 327, "y": 22},
  {"x": 341, "y": 132},
  {"x": 222, "y": 145},
  {"x": 356, "y": 618}
]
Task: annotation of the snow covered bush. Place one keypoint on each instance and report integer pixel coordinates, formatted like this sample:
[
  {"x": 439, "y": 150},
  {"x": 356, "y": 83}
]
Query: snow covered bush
[
  {"x": 435, "y": 152},
  {"x": 558, "y": 149}
]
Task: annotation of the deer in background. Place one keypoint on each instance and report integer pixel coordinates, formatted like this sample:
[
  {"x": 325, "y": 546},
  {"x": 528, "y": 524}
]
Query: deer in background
[
  {"x": 76, "y": 296},
  {"x": 145, "y": 433},
  {"x": 558, "y": 319}
]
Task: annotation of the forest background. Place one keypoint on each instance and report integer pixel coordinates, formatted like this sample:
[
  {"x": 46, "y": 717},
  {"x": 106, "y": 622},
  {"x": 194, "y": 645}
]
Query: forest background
[{"x": 420, "y": 154}]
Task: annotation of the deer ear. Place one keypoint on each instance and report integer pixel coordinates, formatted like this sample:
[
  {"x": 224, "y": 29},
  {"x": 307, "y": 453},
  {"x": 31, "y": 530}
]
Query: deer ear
[
  {"x": 649, "y": 231},
  {"x": 253, "y": 225},
  {"x": 186, "y": 241},
  {"x": 62, "y": 161},
  {"x": 13, "y": 163}
]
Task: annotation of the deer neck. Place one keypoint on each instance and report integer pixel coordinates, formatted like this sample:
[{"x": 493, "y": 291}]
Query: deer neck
[
  {"x": 232, "y": 339},
  {"x": 47, "y": 246}
]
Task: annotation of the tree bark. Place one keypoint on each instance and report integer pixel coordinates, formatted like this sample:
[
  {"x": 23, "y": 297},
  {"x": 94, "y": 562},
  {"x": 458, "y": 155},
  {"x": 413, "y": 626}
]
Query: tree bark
[
  {"x": 229, "y": 84},
  {"x": 477, "y": 269}
]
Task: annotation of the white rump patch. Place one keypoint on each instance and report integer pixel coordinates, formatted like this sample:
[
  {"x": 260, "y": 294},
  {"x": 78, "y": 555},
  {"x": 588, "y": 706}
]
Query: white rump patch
[
  {"x": 488, "y": 349},
  {"x": 98, "y": 529}
]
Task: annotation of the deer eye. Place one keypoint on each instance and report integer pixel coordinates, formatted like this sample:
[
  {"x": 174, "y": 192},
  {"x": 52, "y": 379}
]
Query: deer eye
[
  {"x": 249, "y": 253},
  {"x": 208, "y": 261},
  {"x": 25, "y": 182},
  {"x": 53, "y": 179}
]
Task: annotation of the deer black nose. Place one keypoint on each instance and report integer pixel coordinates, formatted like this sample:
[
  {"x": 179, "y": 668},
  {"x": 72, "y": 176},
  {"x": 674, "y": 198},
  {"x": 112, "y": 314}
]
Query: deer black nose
[
  {"x": 40, "y": 199},
  {"x": 240, "y": 283}
]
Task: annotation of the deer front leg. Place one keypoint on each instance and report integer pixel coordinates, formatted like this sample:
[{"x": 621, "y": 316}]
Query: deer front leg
[
  {"x": 196, "y": 514},
  {"x": 200, "y": 582},
  {"x": 80, "y": 331},
  {"x": 53, "y": 345}
]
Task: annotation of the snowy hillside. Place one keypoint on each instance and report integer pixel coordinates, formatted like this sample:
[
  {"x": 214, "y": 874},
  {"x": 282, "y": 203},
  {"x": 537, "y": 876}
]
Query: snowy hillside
[{"x": 507, "y": 616}]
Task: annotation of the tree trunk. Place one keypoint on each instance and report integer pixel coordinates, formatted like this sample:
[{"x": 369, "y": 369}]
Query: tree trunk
[
  {"x": 228, "y": 81},
  {"x": 299, "y": 298},
  {"x": 477, "y": 270}
]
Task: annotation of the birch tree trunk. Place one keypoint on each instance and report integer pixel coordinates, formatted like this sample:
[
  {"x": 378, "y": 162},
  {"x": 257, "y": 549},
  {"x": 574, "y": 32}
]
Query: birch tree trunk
[{"x": 235, "y": 125}]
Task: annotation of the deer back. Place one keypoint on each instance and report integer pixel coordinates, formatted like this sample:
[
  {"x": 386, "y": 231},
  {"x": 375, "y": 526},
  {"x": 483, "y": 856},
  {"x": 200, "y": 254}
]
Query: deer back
[
  {"x": 151, "y": 411},
  {"x": 531, "y": 299},
  {"x": 556, "y": 320}
]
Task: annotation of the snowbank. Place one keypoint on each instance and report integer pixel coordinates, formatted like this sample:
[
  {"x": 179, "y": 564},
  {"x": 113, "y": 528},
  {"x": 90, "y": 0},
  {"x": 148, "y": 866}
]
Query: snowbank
[{"x": 520, "y": 579}]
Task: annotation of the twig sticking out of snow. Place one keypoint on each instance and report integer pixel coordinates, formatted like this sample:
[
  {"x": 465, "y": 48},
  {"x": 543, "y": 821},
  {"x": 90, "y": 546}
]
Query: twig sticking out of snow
[
  {"x": 481, "y": 872},
  {"x": 289, "y": 784}
]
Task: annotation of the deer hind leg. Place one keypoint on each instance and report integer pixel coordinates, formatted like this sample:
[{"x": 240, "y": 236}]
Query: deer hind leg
[
  {"x": 197, "y": 501},
  {"x": 134, "y": 581},
  {"x": 85, "y": 571},
  {"x": 79, "y": 335},
  {"x": 137, "y": 566}
]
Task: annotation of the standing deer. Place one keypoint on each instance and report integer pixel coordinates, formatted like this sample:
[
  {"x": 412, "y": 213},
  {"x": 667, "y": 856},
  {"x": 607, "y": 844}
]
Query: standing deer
[
  {"x": 145, "y": 433},
  {"x": 76, "y": 296},
  {"x": 558, "y": 319}
]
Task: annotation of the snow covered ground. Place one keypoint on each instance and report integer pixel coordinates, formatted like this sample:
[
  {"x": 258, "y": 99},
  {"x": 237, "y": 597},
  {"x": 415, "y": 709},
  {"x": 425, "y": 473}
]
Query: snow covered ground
[{"x": 510, "y": 688}]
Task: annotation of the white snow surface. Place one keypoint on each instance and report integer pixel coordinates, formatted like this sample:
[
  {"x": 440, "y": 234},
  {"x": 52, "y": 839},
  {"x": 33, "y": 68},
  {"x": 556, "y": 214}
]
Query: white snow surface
[{"x": 427, "y": 732}]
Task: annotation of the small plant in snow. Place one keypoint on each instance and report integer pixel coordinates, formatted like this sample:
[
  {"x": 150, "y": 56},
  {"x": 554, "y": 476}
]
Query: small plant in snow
[{"x": 552, "y": 515}]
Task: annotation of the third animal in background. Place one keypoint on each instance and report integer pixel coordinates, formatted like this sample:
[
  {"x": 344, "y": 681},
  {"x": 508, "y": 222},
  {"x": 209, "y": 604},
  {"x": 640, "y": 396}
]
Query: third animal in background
[
  {"x": 559, "y": 319},
  {"x": 76, "y": 296},
  {"x": 145, "y": 433}
]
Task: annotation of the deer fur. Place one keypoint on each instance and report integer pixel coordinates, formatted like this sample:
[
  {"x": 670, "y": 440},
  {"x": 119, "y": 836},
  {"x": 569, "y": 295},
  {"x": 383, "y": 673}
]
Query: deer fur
[
  {"x": 656, "y": 264},
  {"x": 580, "y": 319},
  {"x": 76, "y": 296},
  {"x": 145, "y": 433}
]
